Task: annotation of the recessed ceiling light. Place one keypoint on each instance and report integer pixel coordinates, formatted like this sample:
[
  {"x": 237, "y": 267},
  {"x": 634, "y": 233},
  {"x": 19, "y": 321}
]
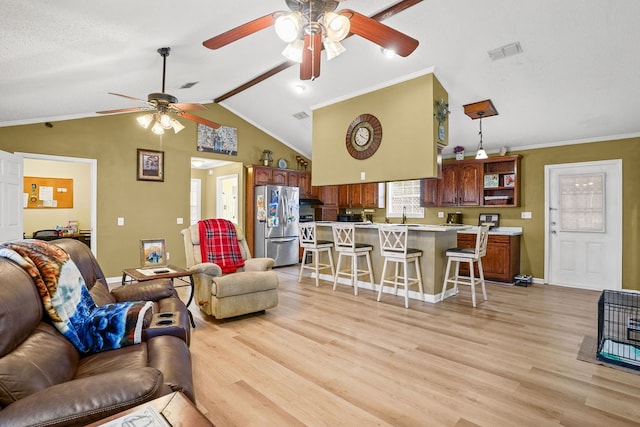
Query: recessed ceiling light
[{"x": 504, "y": 51}]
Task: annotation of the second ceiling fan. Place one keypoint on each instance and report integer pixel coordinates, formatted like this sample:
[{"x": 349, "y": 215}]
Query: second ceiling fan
[{"x": 312, "y": 25}]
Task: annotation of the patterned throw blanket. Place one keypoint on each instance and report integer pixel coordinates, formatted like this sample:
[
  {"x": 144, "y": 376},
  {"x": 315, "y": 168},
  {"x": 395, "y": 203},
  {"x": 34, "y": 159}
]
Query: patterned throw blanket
[
  {"x": 68, "y": 302},
  {"x": 219, "y": 244}
]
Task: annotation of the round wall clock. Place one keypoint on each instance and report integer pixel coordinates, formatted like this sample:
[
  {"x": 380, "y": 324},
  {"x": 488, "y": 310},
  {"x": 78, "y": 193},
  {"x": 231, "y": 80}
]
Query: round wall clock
[{"x": 364, "y": 136}]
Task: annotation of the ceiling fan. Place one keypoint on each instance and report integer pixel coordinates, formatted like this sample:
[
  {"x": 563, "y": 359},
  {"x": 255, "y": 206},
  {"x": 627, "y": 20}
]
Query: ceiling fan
[
  {"x": 312, "y": 25},
  {"x": 164, "y": 105}
]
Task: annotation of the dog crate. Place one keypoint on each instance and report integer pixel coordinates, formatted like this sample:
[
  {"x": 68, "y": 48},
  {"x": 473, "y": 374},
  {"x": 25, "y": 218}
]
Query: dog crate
[{"x": 619, "y": 328}]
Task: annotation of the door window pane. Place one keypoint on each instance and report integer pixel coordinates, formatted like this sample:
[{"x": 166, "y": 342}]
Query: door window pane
[{"x": 582, "y": 199}]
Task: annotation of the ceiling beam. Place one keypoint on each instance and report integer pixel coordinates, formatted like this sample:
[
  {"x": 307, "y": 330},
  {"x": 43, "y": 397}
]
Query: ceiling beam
[{"x": 380, "y": 16}]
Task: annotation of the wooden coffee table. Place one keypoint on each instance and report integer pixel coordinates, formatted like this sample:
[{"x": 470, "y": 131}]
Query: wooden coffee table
[
  {"x": 168, "y": 272},
  {"x": 175, "y": 407}
]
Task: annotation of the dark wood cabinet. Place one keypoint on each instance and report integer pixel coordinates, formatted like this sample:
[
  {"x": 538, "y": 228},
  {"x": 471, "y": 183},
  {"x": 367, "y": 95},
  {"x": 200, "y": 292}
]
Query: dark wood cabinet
[
  {"x": 502, "y": 261},
  {"x": 501, "y": 181},
  {"x": 460, "y": 184},
  {"x": 329, "y": 196},
  {"x": 429, "y": 192},
  {"x": 359, "y": 195}
]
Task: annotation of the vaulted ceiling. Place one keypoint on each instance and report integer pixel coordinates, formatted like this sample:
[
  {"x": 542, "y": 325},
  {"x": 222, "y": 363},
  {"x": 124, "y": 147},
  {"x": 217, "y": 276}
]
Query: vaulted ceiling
[{"x": 576, "y": 79}]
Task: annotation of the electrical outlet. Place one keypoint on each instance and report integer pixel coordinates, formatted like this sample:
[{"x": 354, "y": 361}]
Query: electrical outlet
[
  {"x": 179, "y": 221},
  {"x": 440, "y": 214},
  {"x": 363, "y": 176},
  {"x": 525, "y": 215},
  {"x": 168, "y": 256},
  {"x": 120, "y": 221}
]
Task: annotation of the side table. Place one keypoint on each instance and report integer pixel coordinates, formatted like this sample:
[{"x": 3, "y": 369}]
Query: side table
[
  {"x": 169, "y": 272},
  {"x": 174, "y": 407}
]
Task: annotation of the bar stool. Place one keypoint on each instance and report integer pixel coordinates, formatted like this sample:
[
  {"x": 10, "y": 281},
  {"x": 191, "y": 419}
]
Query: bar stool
[
  {"x": 470, "y": 255},
  {"x": 393, "y": 247},
  {"x": 346, "y": 246},
  {"x": 310, "y": 244}
]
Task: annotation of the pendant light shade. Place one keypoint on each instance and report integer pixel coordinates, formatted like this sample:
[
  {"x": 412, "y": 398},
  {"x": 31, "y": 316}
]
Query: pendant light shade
[{"x": 478, "y": 110}]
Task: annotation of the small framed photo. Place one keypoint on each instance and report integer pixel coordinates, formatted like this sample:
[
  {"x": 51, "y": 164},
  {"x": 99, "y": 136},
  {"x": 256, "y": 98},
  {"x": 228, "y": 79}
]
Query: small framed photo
[
  {"x": 510, "y": 180},
  {"x": 150, "y": 165},
  {"x": 491, "y": 180},
  {"x": 153, "y": 253}
]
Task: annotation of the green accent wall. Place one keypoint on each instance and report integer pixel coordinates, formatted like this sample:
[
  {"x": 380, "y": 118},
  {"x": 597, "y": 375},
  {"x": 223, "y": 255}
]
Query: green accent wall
[
  {"x": 150, "y": 209},
  {"x": 409, "y": 134}
]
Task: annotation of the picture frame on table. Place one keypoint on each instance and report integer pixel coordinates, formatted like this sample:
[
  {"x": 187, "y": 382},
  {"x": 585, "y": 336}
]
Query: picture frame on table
[
  {"x": 150, "y": 165},
  {"x": 510, "y": 180},
  {"x": 153, "y": 253}
]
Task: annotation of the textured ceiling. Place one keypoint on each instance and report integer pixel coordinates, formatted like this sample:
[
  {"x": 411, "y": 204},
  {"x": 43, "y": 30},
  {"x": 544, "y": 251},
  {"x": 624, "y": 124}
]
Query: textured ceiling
[{"x": 577, "y": 79}]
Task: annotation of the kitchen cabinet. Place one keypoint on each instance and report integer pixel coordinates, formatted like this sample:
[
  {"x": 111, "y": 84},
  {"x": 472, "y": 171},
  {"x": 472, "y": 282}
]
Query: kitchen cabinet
[
  {"x": 460, "y": 184},
  {"x": 328, "y": 211},
  {"x": 429, "y": 192},
  {"x": 300, "y": 179},
  {"x": 359, "y": 195},
  {"x": 502, "y": 261},
  {"x": 501, "y": 183}
]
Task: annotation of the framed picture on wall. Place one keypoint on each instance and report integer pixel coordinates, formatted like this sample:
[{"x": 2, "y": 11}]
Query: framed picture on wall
[
  {"x": 153, "y": 253},
  {"x": 510, "y": 180},
  {"x": 150, "y": 165}
]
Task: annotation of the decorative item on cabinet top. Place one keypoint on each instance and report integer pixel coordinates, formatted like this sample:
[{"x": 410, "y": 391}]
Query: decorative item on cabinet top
[{"x": 267, "y": 158}]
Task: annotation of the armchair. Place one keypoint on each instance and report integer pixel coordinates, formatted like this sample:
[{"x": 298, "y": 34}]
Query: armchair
[{"x": 250, "y": 289}]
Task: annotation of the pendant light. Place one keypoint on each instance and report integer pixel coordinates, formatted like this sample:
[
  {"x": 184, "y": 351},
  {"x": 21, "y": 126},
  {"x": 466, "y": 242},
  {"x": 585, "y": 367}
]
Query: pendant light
[{"x": 479, "y": 110}]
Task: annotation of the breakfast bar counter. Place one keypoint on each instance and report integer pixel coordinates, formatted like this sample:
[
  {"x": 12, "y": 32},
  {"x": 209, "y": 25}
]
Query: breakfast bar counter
[{"x": 433, "y": 240}]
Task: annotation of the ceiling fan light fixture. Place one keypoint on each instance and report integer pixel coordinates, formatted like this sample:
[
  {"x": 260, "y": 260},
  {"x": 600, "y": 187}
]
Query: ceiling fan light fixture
[
  {"x": 336, "y": 26},
  {"x": 388, "y": 53},
  {"x": 165, "y": 120},
  {"x": 157, "y": 128},
  {"x": 145, "y": 120},
  {"x": 293, "y": 51},
  {"x": 288, "y": 26},
  {"x": 176, "y": 125},
  {"x": 332, "y": 48}
]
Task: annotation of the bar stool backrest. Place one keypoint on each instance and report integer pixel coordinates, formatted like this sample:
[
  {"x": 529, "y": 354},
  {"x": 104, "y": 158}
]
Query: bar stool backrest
[
  {"x": 307, "y": 234},
  {"x": 343, "y": 237},
  {"x": 481, "y": 240},
  {"x": 393, "y": 240}
]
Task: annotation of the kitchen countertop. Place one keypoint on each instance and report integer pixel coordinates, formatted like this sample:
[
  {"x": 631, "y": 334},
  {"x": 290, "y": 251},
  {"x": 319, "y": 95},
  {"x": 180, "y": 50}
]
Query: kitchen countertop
[
  {"x": 416, "y": 227},
  {"x": 498, "y": 231}
]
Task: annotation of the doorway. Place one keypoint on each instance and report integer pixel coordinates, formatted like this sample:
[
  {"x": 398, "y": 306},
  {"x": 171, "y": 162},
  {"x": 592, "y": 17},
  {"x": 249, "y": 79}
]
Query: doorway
[
  {"x": 227, "y": 197},
  {"x": 583, "y": 225}
]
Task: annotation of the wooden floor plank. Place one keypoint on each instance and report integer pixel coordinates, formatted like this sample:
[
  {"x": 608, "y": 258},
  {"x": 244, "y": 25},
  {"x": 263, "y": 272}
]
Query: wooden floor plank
[{"x": 325, "y": 358}]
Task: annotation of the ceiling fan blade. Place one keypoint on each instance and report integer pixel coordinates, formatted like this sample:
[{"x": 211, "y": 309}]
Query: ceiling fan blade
[
  {"x": 310, "y": 67},
  {"x": 380, "y": 16},
  {"x": 129, "y": 97},
  {"x": 241, "y": 31},
  {"x": 380, "y": 34},
  {"x": 200, "y": 120},
  {"x": 123, "y": 110},
  {"x": 189, "y": 106}
]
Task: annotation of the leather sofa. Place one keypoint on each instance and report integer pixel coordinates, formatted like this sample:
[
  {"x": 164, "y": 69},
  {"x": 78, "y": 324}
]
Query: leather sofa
[
  {"x": 251, "y": 289},
  {"x": 43, "y": 378}
]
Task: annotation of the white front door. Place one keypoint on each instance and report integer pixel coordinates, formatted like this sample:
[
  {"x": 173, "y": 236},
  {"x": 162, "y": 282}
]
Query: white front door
[
  {"x": 11, "y": 196},
  {"x": 583, "y": 245}
]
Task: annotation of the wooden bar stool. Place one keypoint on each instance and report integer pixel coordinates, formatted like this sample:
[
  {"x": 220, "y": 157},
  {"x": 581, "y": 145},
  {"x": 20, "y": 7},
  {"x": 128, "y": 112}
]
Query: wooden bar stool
[
  {"x": 471, "y": 256},
  {"x": 393, "y": 247},
  {"x": 346, "y": 246},
  {"x": 310, "y": 244}
]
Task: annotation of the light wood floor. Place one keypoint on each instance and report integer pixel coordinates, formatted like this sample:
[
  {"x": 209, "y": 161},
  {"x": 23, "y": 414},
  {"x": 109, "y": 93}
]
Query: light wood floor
[{"x": 325, "y": 358}]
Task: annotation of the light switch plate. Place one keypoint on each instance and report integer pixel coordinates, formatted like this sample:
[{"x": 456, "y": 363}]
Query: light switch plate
[
  {"x": 179, "y": 221},
  {"x": 525, "y": 215},
  {"x": 120, "y": 221},
  {"x": 363, "y": 176},
  {"x": 440, "y": 214}
]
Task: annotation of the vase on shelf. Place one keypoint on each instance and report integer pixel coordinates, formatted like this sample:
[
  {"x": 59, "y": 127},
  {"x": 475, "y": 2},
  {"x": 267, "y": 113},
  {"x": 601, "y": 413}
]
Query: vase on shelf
[{"x": 460, "y": 155}]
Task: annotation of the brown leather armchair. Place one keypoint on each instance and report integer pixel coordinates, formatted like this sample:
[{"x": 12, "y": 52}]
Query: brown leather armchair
[{"x": 45, "y": 381}]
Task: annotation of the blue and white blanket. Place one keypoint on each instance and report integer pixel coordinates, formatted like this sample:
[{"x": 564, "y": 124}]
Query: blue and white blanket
[{"x": 67, "y": 301}]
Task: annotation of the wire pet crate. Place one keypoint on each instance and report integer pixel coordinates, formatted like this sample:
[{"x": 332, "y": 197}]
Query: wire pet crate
[{"x": 619, "y": 328}]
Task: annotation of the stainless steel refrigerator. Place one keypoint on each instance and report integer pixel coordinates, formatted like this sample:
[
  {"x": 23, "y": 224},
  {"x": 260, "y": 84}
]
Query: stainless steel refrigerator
[{"x": 276, "y": 223}]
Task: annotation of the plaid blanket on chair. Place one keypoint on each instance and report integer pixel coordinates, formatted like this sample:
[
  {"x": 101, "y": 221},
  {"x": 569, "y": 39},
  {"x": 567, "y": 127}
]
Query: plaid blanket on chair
[
  {"x": 219, "y": 244},
  {"x": 67, "y": 301}
]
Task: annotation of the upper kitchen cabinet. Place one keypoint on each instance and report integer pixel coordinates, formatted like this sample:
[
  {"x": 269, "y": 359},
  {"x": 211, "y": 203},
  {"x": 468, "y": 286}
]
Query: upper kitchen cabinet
[
  {"x": 429, "y": 192},
  {"x": 501, "y": 183},
  {"x": 461, "y": 183},
  {"x": 366, "y": 195}
]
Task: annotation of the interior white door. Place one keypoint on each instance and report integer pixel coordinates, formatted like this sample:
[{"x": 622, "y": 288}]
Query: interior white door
[
  {"x": 11, "y": 196},
  {"x": 583, "y": 245},
  {"x": 227, "y": 197}
]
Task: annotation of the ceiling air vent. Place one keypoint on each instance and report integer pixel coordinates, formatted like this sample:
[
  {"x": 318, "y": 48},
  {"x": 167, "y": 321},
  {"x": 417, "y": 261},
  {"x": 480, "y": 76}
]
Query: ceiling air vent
[
  {"x": 504, "y": 51},
  {"x": 188, "y": 85},
  {"x": 301, "y": 115}
]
